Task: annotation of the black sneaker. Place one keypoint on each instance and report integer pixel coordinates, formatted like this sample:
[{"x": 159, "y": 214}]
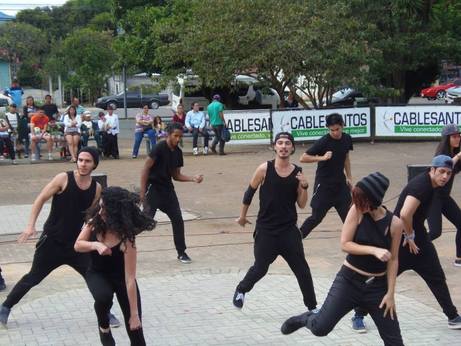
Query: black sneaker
[
  {"x": 184, "y": 258},
  {"x": 238, "y": 300},
  {"x": 455, "y": 323},
  {"x": 4, "y": 313},
  {"x": 106, "y": 338},
  {"x": 113, "y": 321},
  {"x": 296, "y": 322},
  {"x": 2, "y": 283}
]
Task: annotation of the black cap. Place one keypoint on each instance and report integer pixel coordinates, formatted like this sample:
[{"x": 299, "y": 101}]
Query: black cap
[
  {"x": 93, "y": 152},
  {"x": 374, "y": 186}
]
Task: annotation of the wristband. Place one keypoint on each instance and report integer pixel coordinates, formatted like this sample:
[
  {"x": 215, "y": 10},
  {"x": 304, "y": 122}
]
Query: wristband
[
  {"x": 306, "y": 187},
  {"x": 411, "y": 236}
]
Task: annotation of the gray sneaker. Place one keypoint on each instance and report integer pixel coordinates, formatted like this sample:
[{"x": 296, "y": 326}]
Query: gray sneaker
[
  {"x": 455, "y": 323},
  {"x": 113, "y": 321},
  {"x": 358, "y": 325},
  {"x": 4, "y": 313}
]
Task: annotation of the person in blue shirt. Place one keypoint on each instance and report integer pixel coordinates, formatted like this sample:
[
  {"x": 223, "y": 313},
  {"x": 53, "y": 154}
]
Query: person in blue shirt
[
  {"x": 195, "y": 124},
  {"x": 15, "y": 92}
]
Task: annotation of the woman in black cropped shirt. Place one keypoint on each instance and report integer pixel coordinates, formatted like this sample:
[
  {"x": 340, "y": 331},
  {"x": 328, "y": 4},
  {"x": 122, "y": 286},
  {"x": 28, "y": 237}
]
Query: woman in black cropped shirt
[
  {"x": 109, "y": 236},
  {"x": 371, "y": 237}
]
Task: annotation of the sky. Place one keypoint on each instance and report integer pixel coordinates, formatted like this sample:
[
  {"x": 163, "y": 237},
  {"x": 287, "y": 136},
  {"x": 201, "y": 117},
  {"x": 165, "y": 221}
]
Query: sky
[{"x": 11, "y": 7}]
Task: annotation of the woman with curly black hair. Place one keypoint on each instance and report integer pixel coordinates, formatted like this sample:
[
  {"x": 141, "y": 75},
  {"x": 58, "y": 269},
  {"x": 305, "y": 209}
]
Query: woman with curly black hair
[{"x": 109, "y": 234}]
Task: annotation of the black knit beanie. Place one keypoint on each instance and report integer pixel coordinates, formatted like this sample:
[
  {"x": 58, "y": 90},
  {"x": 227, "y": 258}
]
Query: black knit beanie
[
  {"x": 93, "y": 152},
  {"x": 374, "y": 186}
]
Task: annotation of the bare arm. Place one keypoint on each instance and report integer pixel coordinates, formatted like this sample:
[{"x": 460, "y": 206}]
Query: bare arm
[
  {"x": 406, "y": 215},
  {"x": 57, "y": 184},
  {"x": 256, "y": 180},
  {"x": 130, "y": 282},
  {"x": 221, "y": 115},
  {"x": 348, "y": 232},
  {"x": 178, "y": 176},
  {"x": 302, "y": 190},
  {"x": 144, "y": 176},
  {"x": 347, "y": 170},
  {"x": 306, "y": 158},
  {"x": 392, "y": 267}
]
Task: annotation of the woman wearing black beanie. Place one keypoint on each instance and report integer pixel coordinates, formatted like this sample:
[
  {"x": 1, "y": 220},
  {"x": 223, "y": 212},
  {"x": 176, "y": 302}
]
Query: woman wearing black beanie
[{"x": 371, "y": 237}]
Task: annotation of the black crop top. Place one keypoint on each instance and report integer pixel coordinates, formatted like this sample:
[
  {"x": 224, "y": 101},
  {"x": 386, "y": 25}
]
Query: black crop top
[
  {"x": 113, "y": 265},
  {"x": 372, "y": 233}
]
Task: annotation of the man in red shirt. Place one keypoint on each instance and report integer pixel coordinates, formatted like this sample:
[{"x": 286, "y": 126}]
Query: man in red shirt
[{"x": 38, "y": 131}]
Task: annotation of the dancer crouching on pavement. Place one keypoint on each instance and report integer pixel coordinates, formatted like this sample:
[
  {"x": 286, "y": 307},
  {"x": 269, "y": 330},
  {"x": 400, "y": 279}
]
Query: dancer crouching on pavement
[
  {"x": 157, "y": 190},
  {"x": 73, "y": 192},
  {"x": 371, "y": 236},
  {"x": 283, "y": 185},
  {"x": 443, "y": 203},
  {"x": 417, "y": 252},
  {"x": 109, "y": 235}
]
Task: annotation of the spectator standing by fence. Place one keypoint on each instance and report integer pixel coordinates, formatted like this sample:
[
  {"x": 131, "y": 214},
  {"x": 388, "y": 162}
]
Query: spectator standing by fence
[
  {"x": 15, "y": 92},
  {"x": 216, "y": 114},
  {"x": 195, "y": 124}
]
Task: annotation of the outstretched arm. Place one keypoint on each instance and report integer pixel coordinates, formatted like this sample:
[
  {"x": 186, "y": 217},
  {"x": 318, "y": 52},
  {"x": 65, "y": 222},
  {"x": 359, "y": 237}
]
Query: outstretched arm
[
  {"x": 178, "y": 176},
  {"x": 53, "y": 187}
]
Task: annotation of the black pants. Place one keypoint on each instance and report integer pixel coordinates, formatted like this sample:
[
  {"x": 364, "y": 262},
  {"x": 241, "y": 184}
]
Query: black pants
[
  {"x": 165, "y": 199},
  {"x": 448, "y": 207},
  {"x": 48, "y": 256},
  {"x": 348, "y": 290},
  {"x": 218, "y": 138},
  {"x": 102, "y": 288},
  {"x": 324, "y": 198},
  {"x": 427, "y": 265},
  {"x": 288, "y": 244},
  {"x": 196, "y": 133},
  {"x": 111, "y": 145},
  {"x": 6, "y": 141}
]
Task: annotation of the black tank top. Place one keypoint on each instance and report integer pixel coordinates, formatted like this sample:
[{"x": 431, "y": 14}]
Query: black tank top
[
  {"x": 68, "y": 211},
  {"x": 113, "y": 265},
  {"x": 277, "y": 200},
  {"x": 372, "y": 233}
]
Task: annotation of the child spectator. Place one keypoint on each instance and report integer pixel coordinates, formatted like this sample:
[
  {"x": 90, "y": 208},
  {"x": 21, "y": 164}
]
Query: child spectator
[
  {"x": 86, "y": 129},
  {"x": 159, "y": 127}
]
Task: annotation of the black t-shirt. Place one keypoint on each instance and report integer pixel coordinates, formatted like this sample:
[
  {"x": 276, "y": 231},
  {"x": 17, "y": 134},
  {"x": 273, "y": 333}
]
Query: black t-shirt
[
  {"x": 166, "y": 161},
  {"x": 332, "y": 170},
  {"x": 420, "y": 187},
  {"x": 50, "y": 110}
]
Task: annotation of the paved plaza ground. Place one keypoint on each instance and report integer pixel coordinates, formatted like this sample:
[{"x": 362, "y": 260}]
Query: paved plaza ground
[{"x": 192, "y": 304}]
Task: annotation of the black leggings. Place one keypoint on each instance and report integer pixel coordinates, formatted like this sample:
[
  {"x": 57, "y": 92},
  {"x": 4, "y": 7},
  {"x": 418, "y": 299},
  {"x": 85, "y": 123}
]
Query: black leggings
[
  {"x": 48, "y": 256},
  {"x": 166, "y": 200},
  {"x": 427, "y": 265},
  {"x": 448, "y": 207},
  {"x": 103, "y": 287},
  {"x": 289, "y": 245},
  {"x": 347, "y": 291},
  {"x": 324, "y": 198}
]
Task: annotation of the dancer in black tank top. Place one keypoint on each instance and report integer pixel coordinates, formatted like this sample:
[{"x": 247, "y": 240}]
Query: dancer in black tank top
[
  {"x": 371, "y": 237},
  {"x": 282, "y": 187},
  {"x": 109, "y": 236},
  {"x": 72, "y": 193}
]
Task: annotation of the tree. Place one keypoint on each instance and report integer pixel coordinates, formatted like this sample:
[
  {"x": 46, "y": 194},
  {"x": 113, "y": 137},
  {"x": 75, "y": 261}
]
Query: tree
[
  {"x": 23, "y": 43},
  {"x": 88, "y": 55}
]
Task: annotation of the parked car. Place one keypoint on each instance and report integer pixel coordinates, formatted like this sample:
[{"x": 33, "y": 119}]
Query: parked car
[
  {"x": 346, "y": 96},
  {"x": 438, "y": 92},
  {"x": 453, "y": 95},
  {"x": 134, "y": 99}
]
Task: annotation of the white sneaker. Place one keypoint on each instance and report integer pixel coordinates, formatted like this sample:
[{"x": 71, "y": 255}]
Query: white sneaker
[
  {"x": 2, "y": 157},
  {"x": 14, "y": 162},
  {"x": 195, "y": 151},
  {"x": 50, "y": 156},
  {"x": 205, "y": 151}
]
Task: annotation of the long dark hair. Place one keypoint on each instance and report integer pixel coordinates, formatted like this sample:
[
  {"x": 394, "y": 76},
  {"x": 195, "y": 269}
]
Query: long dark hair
[
  {"x": 444, "y": 147},
  {"x": 121, "y": 214}
]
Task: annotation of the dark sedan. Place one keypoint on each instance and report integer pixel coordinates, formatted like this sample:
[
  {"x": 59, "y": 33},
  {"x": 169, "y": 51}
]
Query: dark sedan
[{"x": 134, "y": 99}]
